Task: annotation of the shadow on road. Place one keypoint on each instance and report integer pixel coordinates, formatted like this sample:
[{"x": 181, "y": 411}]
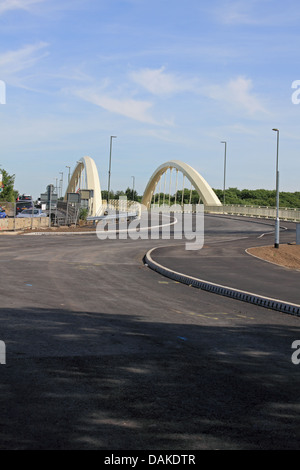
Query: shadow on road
[{"x": 78, "y": 380}]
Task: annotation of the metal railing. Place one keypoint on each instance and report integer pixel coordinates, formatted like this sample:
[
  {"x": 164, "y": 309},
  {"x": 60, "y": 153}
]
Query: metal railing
[{"x": 265, "y": 212}]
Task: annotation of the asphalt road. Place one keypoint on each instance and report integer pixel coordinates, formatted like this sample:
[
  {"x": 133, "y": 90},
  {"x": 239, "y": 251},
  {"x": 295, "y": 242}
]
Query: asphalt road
[
  {"x": 103, "y": 353},
  {"x": 225, "y": 263}
]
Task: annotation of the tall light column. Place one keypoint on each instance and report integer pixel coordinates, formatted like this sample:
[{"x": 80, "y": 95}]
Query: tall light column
[
  {"x": 224, "y": 183},
  {"x": 68, "y": 174},
  {"x": 109, "y": 170},
  {"x": 61, "y": 183},
  {"x": 277, "y": 223},
  {"x": 133, "y": 181}
]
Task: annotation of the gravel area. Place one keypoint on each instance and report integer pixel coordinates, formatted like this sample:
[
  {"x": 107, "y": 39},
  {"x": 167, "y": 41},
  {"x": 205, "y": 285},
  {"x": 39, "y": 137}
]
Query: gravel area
[{"x": 287, "y": 255}]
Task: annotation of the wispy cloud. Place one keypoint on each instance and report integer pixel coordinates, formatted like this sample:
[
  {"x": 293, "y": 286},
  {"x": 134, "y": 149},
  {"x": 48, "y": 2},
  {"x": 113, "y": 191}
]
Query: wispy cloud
[
  {"x": 15, "y": 61},
  {"x": 255, "y": 12},
  {"x": 133, "y": 109},
  {"x": 159, "y": 82},
  {"x": 6, "y": 5},
  {"x": 240, "y": 12},
  {"x": 237, "y": 92}
]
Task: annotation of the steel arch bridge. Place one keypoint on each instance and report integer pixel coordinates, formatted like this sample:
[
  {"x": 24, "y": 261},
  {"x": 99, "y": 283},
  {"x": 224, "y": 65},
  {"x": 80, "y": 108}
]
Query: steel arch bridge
[
  {"x": 205, "y": 192},
  {"x": 85, "y": 177}
]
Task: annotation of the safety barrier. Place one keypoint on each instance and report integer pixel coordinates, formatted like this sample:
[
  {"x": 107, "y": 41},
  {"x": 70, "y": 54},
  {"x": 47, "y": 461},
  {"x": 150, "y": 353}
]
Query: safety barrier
[{"x": 285, "y": 213}]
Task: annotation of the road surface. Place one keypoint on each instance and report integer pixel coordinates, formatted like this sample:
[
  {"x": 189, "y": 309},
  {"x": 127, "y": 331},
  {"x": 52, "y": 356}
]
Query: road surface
[{"x": 103, "y": 353}]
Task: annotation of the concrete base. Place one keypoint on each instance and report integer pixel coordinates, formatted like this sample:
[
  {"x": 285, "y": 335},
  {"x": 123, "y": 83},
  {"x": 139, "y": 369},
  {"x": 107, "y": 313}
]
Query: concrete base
[{"x": 12, "y": 224}]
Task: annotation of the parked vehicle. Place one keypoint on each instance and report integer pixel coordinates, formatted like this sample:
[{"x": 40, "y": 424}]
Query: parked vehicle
[
  {"x": 21, "y": 205},
  {"x": 32, "y": 213},
  {"x": 2, "y": 213},
  {"x": 24, "y": 197}
]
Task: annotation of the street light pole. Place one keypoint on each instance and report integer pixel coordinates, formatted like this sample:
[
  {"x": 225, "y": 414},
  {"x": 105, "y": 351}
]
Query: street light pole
[
  {"x": 68, "y": 174},
  {"x": 61, "y": 183},
  {"x": 225, "y": 151},
  {"x": 109, "y": 171},
  {"x": 133, "y": 180},
  {"x": 277, "y": 227}
]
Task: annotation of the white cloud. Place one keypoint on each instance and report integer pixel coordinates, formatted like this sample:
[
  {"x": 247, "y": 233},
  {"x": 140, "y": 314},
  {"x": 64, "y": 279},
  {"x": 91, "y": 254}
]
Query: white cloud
[
  {"x": 12, "y": 62},
  {"x": 255, "y": 12},
  {"x": 6, "y": 5},
  {"x": 158, "y": 82},
  {"x": 237, "y": 92},
  {"x": 133, "y": 109},
  {"x": 240, "y": 12}
]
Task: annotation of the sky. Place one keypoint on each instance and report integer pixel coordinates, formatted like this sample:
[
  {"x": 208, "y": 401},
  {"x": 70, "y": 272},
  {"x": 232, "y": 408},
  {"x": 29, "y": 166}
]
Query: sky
[{"x": 170, "y": 79}]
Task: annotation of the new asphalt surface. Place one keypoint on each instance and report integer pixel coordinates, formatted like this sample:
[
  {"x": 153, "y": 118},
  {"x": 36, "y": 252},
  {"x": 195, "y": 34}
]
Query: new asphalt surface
[
  {"x": 103, "y": 353},
  {"x": 226, "y": 263}
]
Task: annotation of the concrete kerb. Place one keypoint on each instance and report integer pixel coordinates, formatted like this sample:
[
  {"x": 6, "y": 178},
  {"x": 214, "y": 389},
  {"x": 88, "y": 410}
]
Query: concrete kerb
[{"x": 261, "y": 301}]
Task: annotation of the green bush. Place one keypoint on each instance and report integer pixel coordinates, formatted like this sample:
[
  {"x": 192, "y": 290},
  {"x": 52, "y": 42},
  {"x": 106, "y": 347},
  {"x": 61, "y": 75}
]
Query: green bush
[{"x": 83, "y": 213}]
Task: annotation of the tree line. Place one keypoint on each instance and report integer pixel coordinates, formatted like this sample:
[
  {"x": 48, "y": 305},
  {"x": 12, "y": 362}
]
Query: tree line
[
  {"x": 245, "y": 197},
  {"x": 259, "y": 197}
]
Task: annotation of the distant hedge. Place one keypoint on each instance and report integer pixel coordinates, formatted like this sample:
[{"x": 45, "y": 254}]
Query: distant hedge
[
  {"x": 259, "y": 197},
  {"x": 245, "y": 197}
]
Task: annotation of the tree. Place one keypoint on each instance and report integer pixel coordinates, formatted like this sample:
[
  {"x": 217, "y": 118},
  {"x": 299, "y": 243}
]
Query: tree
[
  {"x": 131, "y": 194},
  {"x": 8, "y": 194}
]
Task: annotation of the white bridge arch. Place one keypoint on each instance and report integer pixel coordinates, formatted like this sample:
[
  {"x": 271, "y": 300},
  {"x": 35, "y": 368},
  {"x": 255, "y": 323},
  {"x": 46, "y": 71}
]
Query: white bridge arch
[
  {"x": 206, "y": 193},
  {"x": 85, "y": 177}
]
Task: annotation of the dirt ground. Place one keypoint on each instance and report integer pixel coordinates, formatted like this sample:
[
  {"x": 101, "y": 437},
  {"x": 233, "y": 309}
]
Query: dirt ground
[
  {"x": 78, "y": 228},
  {"x": 287, "y": 255}
]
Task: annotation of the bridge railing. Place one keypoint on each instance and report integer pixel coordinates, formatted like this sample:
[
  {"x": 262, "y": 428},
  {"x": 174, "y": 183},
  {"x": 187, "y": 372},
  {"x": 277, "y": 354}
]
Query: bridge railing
[{"x": 265, "y": 212}]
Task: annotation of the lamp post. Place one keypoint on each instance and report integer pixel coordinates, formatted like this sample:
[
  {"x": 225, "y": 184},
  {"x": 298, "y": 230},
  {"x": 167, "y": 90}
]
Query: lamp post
[
  {"x": 68, "y": 174},
  {"x": 109, "y": 170},
  {"x": 225, "y": 150},
  {"x": 133, "y": 180},
  {"x": 61, "y": 182},
  {"x": 276, "y": 244}
]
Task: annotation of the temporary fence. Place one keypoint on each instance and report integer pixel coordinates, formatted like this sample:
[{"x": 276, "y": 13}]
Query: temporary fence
[
  {"x": 61, "y": 214},
  {"x": 9, "y": 220}
]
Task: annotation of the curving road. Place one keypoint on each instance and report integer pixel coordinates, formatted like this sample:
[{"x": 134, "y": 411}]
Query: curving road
[{"x": 104, "y": 353}]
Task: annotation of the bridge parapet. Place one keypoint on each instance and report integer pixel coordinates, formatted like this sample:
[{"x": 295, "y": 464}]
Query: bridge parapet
[{"x": 265, "y": 212}]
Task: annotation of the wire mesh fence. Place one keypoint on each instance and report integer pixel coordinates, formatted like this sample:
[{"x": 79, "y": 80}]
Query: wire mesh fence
[{"x": 21, "y": 215}]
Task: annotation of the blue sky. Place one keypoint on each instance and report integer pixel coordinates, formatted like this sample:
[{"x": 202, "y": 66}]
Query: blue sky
[{"x": 170, "y": 79}]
